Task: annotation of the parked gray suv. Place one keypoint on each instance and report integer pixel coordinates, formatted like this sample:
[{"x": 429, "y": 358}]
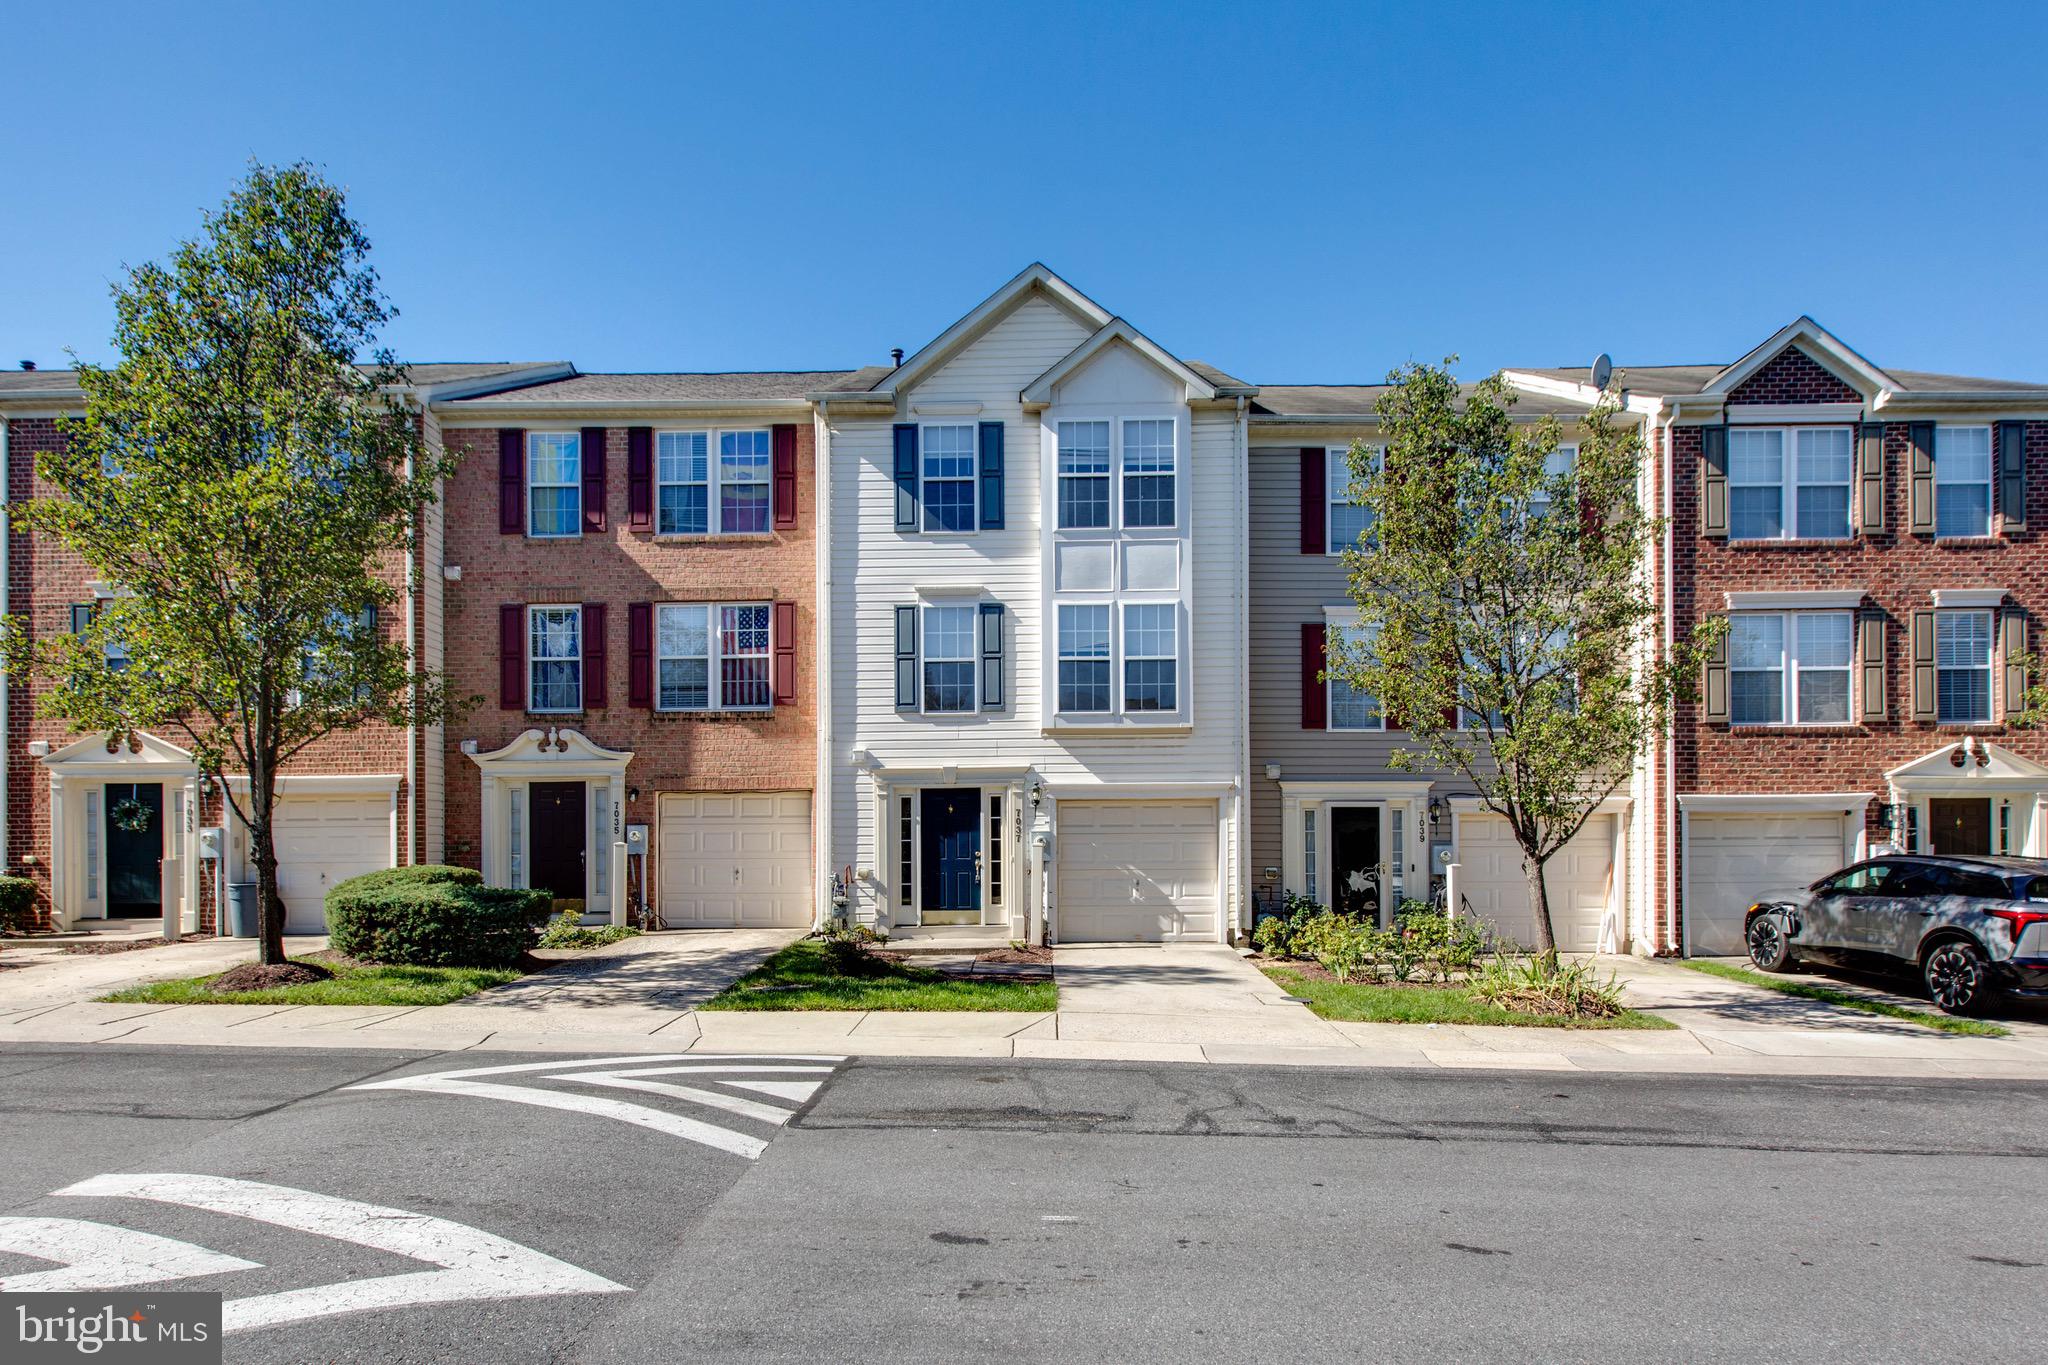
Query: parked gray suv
[{"x": 1973, "y": 927}]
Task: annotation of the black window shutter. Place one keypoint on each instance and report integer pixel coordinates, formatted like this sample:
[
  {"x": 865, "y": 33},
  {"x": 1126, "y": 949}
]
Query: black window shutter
[
  {"x": 906, "y": 658},
  {"x": 992, "y": 478},
  {"x": 906, "y": 476},
  {"x": 991, "y": 653}
]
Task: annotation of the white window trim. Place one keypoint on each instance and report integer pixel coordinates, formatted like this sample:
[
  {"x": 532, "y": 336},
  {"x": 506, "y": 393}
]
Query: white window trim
[
  {"x": 1331, "y": 502},
  {"x": 1120, "y": 688},
  {"x": 1108, "y": 528},
  {"x": 576, "y": 523},
  {"x": 1060, "y": 656},
  {"x": 1789, "y": 485},
  {"x": 1123, "y": 475},
  {"x": 1989, "y": 483},
  {"x": 972, "y": 607},
  {"x": 714, "y": 517},
  {"x": 714, "y": 691},
  {"x": 1989, "y": 668},
  {"x": 533, "y": 692},
  {"x": 1569, "y": 449},
  {"x": 1333, "y": 628},
  {"x": 1789, "y": 670},
  {"x": 973, "y": 479}
]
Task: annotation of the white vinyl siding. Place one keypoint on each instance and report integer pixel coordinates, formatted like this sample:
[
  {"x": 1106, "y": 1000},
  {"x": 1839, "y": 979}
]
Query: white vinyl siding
[
  {"x": 1962, "y": 663},
  {"x": 1789, "y": 483},
  {"x": 554, "y": 484},
  {"x": 1962, "y": 482},
  {"x": 1790, "y": 668}
]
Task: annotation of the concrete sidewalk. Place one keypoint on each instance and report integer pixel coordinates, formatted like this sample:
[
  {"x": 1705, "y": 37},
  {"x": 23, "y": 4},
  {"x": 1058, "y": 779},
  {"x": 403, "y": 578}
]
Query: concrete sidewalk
[
  {"x": 36, "y": 974},
  {"x": 1204, "y": 1005}
]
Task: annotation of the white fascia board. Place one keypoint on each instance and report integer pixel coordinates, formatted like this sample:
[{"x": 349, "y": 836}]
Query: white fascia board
[
  {"x": 1034, "y": 276},
  {"x": 1766, "y": 803},
  {"x": 1796, "y": 600},
  {"x": 1038, "y": 393},
  {"x": 1783, "y": 414},
  {"x": 2012, "y": 404},
  {"x": 1968, "y": 597},
  {"x": 1815, "y": 338}
]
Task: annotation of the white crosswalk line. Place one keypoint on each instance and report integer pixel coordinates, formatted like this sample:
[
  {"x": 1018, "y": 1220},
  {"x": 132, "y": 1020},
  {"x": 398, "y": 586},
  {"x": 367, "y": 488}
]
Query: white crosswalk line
[
  {"x": 100, "y": 1256},
  {"x": 661, "y": 1121},
  {"x": 474, "y": 1264},
  {"x": 782, "y": 1090},
  {"x": 732, "y": 1104}
]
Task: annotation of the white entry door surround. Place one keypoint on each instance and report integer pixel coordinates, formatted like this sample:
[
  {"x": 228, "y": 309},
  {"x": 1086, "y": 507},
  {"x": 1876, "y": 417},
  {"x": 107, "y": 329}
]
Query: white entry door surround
[
  {"x": 79, "y": 775},
  {"x": 556, "y": 755}
]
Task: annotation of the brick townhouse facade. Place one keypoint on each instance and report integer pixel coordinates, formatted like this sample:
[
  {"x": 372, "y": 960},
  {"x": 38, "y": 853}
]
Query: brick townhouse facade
[{"x": 632, "y": 574}]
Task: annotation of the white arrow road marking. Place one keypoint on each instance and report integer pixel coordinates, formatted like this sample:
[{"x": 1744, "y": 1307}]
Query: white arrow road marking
[
  {"x": 782, "y": 1090},
  {"x": 474, "y": 1264},
  {"x": 675, "y": 1125},
  {"x": 99, "y": 1256}
]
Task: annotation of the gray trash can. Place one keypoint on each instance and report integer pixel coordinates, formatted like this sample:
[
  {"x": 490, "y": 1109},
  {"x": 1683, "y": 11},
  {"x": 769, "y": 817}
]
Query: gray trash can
[{"x": 242, "y": 909}]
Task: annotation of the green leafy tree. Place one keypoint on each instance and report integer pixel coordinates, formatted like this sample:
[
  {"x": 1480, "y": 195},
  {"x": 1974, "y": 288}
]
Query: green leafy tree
[
  {"x": 1505, "y": 620},
  {"x": 251, "y": 495}
]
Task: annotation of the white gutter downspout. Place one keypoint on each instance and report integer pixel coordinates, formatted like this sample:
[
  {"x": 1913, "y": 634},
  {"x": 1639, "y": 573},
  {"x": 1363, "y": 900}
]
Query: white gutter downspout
[
  {"x": 1669, "y": 815},
  {"x": 1244, "y": 651},
  {"x": 821, "y": 650}
]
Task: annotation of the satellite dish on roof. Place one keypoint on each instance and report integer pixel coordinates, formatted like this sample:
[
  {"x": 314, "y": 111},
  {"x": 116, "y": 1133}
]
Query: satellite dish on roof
[{"x": 1603, "y": 370}]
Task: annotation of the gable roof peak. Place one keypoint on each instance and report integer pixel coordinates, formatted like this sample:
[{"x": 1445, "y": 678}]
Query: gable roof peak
[
  {"x": 1819, "y": 343},
  {"x": 1036, "y": 279}
]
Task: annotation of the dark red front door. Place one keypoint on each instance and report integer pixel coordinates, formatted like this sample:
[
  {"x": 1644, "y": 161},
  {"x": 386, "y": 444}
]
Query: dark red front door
[{"x": 558, "y": 826}]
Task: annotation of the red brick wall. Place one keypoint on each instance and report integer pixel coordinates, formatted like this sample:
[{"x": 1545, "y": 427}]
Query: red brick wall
[
  {"x": 44, "y": 580},
  {"x": 1899, "y": 572},
  {"x": 672, "y": 752},
  {"x": 1793, "y": 376}
]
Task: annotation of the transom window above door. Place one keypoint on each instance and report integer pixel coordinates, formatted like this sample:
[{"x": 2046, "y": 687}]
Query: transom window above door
[
  {"x": 554, "y": 483},
  {"x": 1789, "y": 483},
  {"x": 713, "y": 482},
  {"x": 1789, "y": 668},
  {"x": 1962, "y": 482}
]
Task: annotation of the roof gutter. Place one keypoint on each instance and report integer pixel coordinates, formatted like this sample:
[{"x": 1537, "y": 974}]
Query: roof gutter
[{"x": 507, "y": 407}]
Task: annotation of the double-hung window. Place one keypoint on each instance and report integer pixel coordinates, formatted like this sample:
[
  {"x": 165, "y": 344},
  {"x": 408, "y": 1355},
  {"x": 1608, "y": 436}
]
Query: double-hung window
[
  {"x": 1083, "y": 476},
  {"x": 1148, "y": 472},
  {"x": 683, "y": 476},
  {"x": 1789, "y": 483},
  {"x": 947, "y": 477},
  {"x": 1962, "y": 666},
  {"x": 554, "y": 658},
  {"x": 1557, "y": 466},
  {"x": 743, "y": 470},
  {"x": 1350, "y": 525},
  {"x": 712, "y": 657},
  {"x": 1351, "y": 709},
  {"x": 1084, "y": 658},
  {"x": 1151, "y": 657},
  {"x": 1962, "y": 481},
  {"x": 554, "y": 483},
  {"x": 950, "y": 658},
  {"x": 1790, "y": 668}
]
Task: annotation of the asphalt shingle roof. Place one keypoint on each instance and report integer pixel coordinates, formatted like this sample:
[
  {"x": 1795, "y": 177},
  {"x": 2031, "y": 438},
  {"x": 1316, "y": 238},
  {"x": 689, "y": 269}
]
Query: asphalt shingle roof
[
  {"x": 739, "y": 386},
  {"x": 15, "y": 382}
]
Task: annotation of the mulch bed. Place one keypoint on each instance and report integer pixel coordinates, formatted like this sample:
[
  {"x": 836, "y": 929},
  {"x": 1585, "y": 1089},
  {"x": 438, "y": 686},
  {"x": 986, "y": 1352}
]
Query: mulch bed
[
  {"x": 1311, "y": 970},
  {"x": 254, "y": 976},
  {"x": 1026, "y": 957},
  {"x": 127, "y": 945}
]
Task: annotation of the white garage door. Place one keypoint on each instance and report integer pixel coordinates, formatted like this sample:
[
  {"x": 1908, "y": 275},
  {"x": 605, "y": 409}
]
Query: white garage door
[
  {"x": 1137, "y": 872},
  {"x": 736, "y": 860},
  {"x": 322, "y": 840},
  {"x": 1733, "y": 860},
  {"x": 1577, "y": 879}
]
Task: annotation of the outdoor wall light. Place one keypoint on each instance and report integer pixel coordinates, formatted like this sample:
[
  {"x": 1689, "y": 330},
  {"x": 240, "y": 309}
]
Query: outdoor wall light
[
  {"x": 1436, "y": 810},
  {"x": 632, "y": 793},
  {"x": 1036, "y": 794}
]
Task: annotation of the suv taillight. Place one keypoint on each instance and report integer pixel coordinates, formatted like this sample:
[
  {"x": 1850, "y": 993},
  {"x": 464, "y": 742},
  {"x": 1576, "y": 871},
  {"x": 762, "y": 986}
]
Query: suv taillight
[{"x": 2019, "y": 921}]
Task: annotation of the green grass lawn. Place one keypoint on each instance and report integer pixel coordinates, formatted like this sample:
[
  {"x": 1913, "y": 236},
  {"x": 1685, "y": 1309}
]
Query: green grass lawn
[
  {"x": 367, "y": 983},
  {"x": 801, "y": 977},
  {"x": 1359, "y": 1002},
  {"x": 1807, "y": 990}
]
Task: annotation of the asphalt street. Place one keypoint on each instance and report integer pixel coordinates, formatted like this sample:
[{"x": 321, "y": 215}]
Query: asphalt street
[{"x": 502, "y": 1207}]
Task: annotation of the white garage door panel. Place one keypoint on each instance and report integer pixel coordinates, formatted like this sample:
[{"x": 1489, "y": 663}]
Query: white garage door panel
[
  {"x": 1577, "y": 879},
  {"x": 1137, "y": 872},
  {"x": 1734, "y": 860},
  {"x": 322, "y": 840},
  {"x": 735, "y": 860}
]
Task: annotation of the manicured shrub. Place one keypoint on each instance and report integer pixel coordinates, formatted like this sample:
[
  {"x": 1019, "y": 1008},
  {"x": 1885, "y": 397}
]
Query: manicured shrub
[
  {"x": 446, "y": 923},
  {"x": 17, "y": 904},
  {"x": 422, "y": 874}
]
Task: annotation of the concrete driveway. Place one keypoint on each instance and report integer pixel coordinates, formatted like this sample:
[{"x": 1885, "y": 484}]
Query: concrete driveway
[
  {"x": 1199, "y": 993},
  {"x": 634, "y": 986}
]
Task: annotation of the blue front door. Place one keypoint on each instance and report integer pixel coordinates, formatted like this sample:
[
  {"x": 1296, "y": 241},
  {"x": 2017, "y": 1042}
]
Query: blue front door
[{"x": 952, "y": 858}]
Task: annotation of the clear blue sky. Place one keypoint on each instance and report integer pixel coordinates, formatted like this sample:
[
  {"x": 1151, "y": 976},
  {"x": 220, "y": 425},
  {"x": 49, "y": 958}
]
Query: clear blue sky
[{"x": 1295, "y": 193}]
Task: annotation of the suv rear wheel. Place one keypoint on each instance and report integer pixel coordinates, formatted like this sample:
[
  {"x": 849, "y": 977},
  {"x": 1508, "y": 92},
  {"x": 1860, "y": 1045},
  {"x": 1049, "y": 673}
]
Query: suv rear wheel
[
  {"x": 1958, "y": 977},
  {"x": 1770, "y": 947}
]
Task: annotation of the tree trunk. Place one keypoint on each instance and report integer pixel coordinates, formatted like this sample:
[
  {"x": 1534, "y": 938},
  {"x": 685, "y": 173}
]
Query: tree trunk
[
  {"x": 1539, "y": 901},
  {"x": 263, "y": 852}
]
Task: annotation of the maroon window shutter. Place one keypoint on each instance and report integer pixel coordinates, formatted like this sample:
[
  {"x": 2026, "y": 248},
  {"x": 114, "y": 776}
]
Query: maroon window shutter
[
  {"x": 640, "y": 478},
  {"x": 1315, "y": 700},
  {"x": 595, "y": 461},
  {"x": 785, "y": 653},
  {"x": 785, "y": 478},
  {"x": 512, "y": 657},
  {"x": 511, "y": 481},
  {"x": 640, "y": 655},
  {"x": 595, "y": 692},
  {"x": 1315, "y": 499}
]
